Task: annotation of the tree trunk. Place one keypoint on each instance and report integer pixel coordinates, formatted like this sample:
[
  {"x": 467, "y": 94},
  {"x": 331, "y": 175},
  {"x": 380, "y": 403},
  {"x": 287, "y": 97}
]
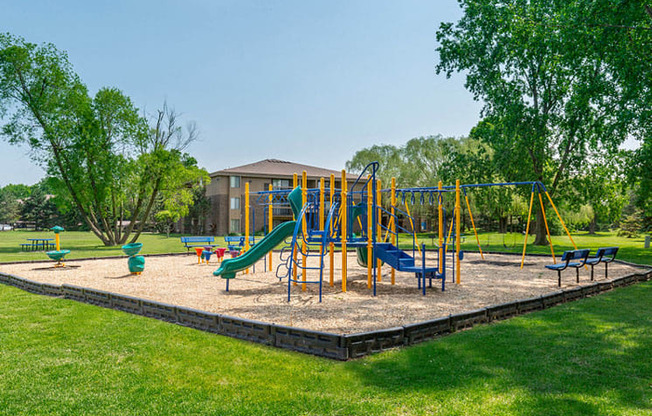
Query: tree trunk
[
  {"x": 148, "y": 210},
  {"x": 592, "y": 225},
  {"x": 502, "y": 225},
  {"x": 540, "y": 229}
]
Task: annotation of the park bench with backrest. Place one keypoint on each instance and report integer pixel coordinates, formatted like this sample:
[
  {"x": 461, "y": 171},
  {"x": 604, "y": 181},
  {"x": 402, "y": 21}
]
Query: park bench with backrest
[
  {"x": 198, "y": 241},
  {"x": 567, "y": 260},
  {"x": 236, "y": 243},
  {"x": 604, "y": 255}
]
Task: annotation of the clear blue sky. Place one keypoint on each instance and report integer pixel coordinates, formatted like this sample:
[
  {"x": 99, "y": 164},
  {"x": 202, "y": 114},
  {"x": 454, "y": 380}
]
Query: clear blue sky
[{"x": 305, "y": 81}]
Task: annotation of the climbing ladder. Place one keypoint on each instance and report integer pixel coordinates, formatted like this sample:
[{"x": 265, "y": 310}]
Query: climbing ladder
[{"x": 302, "y": 243}]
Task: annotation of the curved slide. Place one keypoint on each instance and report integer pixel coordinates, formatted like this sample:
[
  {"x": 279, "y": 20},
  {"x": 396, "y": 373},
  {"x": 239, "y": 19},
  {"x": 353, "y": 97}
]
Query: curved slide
[{"x": 230, "y": 267}]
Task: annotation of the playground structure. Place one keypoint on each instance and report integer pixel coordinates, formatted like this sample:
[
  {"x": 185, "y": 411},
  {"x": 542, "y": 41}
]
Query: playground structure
[
  {"x": 366, "y": 218},
  {"x": 58, "y": 254}
]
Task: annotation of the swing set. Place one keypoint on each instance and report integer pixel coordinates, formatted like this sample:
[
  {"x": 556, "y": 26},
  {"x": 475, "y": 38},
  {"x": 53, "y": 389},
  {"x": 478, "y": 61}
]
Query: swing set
[{"x": 427, "y": 193}]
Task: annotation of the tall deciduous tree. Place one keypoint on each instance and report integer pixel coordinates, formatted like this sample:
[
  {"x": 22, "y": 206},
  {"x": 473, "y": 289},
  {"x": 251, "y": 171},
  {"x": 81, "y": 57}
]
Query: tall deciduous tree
[
  {"x": 39, "y": 209},
  {"x": 9, "y": 208},
  {"x": 419, "y": 162},
  {"x": 603, "y": 187},
  {"x": 109, "y": 163},
  {"x": 549, "y": 99},
  {"x": 627, "y": 44}
]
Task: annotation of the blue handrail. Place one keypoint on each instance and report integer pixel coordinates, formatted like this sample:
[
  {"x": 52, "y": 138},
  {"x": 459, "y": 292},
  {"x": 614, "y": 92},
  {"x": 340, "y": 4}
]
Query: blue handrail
[{"x": 299, "y": 236}]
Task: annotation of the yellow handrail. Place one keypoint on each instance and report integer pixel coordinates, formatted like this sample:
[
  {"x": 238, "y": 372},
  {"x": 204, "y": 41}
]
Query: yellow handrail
[{"x": 416, "y": 240}]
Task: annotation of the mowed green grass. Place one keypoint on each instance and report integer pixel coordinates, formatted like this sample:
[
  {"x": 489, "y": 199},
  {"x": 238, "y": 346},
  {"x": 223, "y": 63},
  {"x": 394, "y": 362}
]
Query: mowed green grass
[
  {"x": 85, "y": 244},
  {"x": 60, "y": 357},
  {"x": 631, "y": 249}
]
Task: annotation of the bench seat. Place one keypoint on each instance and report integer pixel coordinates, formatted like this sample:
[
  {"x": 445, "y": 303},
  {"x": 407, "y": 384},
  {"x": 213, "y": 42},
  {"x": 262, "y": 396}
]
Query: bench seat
[
  {"x": 235, "y": 242},
  {"x": 567, "y": 261},
  {"x": 198, "y": 241},
  {"x": 562, "y": 266},
  {"x": 604, "y": 255}
]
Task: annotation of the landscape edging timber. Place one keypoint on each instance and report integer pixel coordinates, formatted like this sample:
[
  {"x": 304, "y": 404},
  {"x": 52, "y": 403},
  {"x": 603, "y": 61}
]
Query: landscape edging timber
[{"x": 323, "y": 344}]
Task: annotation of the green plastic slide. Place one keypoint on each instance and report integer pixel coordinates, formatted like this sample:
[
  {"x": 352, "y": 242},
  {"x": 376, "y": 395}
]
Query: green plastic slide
[{"x": 230, "y": 267}]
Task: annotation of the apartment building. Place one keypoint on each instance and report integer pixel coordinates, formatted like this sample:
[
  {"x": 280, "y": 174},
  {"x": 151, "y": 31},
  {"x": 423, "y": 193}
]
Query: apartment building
[{"x": 226, "y": 192}]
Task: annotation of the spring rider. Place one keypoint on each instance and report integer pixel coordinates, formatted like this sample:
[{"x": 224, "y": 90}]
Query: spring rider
[
  {"x": 136, "y": 263},
  {"x": 58, "y": 254}
]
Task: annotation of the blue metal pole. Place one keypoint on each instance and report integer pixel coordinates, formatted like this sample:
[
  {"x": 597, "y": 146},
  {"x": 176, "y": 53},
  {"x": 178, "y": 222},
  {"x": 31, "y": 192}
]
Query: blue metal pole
[
  {"x": 423, "y": 269},
  {"x": 374, "y": 224}
]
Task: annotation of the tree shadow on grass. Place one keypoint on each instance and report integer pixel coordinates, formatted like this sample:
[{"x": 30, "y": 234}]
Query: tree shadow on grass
[{"x": 572, "y": 359}]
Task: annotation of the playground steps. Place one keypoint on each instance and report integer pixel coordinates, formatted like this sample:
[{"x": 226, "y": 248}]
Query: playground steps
[{"x": 400, "y": 260}]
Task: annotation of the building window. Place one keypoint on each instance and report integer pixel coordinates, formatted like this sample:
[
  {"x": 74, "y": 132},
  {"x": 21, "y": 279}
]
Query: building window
[
  {"x": 235, "y": 203},
  {"x": 282, "y": 212},
  {"x": 278, "y": 184},
  {"x": 235, "y": 226},
  {"x": 235, "y": 181}
]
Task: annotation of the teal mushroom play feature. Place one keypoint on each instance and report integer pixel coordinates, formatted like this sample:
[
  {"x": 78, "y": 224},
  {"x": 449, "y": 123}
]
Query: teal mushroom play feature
[
  {"x": 136, "y": 263},
  {"x": 58, "y": 254}
]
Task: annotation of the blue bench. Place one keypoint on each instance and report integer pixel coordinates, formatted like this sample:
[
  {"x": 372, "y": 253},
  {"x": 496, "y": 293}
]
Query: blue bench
[
  {"x": 236, "y": 242},
  {"x": 604, "y": 255},
  {"x": 567, "y": 261},
  {"x": 201, "y": 241}
]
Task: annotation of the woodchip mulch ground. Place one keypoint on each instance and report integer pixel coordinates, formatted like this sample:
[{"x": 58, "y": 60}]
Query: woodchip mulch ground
[{"x": 179, "y": 280}]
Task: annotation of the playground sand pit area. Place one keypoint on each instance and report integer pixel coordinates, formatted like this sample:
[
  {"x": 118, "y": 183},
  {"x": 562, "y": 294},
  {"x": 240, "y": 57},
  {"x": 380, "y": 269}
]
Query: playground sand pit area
[{"x": 179, "y": 280}]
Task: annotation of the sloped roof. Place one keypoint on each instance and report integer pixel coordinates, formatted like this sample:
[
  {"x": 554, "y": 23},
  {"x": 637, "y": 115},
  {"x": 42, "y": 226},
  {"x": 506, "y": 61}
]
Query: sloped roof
[{"x": 278, "y": 168}]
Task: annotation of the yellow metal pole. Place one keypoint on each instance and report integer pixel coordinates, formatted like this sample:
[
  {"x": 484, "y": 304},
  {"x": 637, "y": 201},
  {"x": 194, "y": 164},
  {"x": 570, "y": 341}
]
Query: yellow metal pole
[
  {"x": 379, "y": 232},
  {"x": 560, "y": 220},
  {"x": 370, "y": 263},
  {"x": 416, "y": 240},
  {"x": 458, "y": 277},
  {"x": 393, "y": 211},
  {"x": 477, "y": 239},
  {"x": 450, "y": 236},
  {"x": 57, "y": 241},
  {"x": 270, "y": 223},
  {"x": 545, "y": 221},
  {"x": 331, "y": 247},
  {"x": 389, "y": 227},
  {"x": 440, "y": 215},
  {"x": 304, "y": 200},
  {"x": 343, "y": 230},
  {"x": 246, "y": 247},
  {"x": 527, "y": 228},
  {"x": 295, "y": 183}
]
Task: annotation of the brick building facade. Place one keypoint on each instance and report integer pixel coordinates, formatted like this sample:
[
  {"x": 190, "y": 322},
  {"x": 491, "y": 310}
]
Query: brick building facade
[{"x": 226, "y": 192}]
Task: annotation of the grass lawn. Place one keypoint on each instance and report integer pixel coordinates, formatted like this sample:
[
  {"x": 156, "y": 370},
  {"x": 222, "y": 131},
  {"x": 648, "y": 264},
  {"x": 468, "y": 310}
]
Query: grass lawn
[
  {"x": 588, "y": 357},
  {"x": 631, "y": 249},
  {"x": 85, "y": 244}
]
